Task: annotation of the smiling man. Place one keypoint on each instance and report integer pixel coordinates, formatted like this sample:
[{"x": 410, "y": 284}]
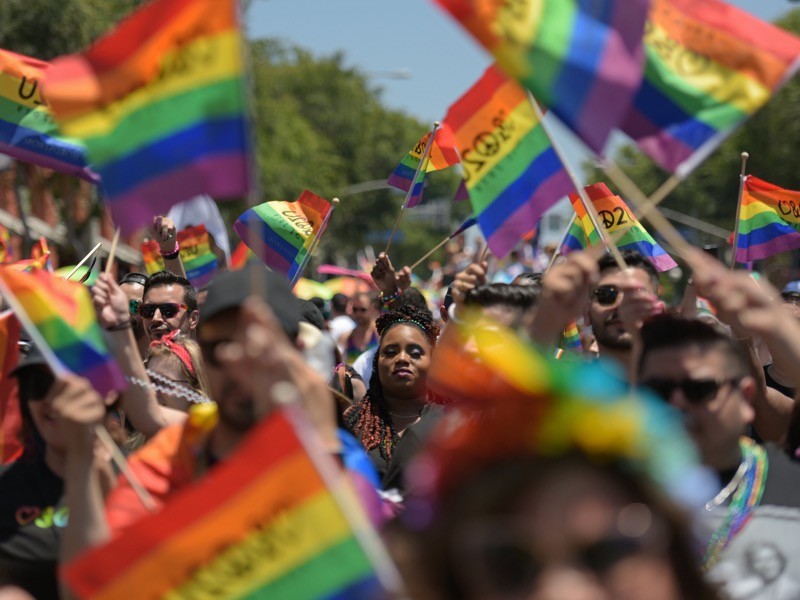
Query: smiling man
[{"x": 169, "y": 302}]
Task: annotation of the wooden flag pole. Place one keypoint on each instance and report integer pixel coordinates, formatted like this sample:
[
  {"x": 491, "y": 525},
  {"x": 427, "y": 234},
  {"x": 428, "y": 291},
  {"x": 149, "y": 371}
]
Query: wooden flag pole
[
  {"x": 561, "y": 243},
  {"x": 112, "y": 252},
  {"x": 742, "y": 178},
  {"x": 420, "y": 166},
  {"x": 587, "y": 202},
  {"x": 84, "y": 259},
  {"x": 431, "y": 251},
  {"x": 315, "y": 243}
]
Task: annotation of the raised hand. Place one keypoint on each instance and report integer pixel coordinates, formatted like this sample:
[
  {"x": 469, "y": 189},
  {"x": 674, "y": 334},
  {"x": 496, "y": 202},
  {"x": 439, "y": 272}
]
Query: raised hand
[
  {"x": 110, "y": 302},
  {"x": 164, "y": 232}
]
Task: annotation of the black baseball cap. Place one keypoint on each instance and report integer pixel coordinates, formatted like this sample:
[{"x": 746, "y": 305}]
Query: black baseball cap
[{"x": 230, "y": 289}]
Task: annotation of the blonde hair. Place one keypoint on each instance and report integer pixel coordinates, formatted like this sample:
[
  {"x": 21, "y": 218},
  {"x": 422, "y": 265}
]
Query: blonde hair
[{"x": 198, "y": 380}]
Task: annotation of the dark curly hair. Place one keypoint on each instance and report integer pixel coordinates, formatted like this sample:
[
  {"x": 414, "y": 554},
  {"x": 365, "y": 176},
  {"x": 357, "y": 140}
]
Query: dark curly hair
[{"x": 369, "y": 420}]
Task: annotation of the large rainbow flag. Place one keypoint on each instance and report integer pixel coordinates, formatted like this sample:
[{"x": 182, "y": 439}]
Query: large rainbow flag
[
  {"x": 583, "y": 60},
  {"x": 160, "y": 104},
  {"x": 264, "y": 528},
  {"x": 710, "y": 66},
  {"x": 199, "y": 262},
  {"x": 442, "y": 154},
  {"x": 280, "y": 233},
  {"x": 617, "y": 218},
  {"x": 769, "y": 222},
  {"x": 511, "y": 171},
  {"x": 64, "y": 316},
  {"x": 27, "y": 129}
]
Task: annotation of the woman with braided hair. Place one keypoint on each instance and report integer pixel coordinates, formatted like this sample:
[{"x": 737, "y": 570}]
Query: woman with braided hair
[{"x": 392, "y": 418}]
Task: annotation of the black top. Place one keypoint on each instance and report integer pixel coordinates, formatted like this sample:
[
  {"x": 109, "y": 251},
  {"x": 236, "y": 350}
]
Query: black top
[
  {"x": 410, "y": 442},
  {"x": 786, "y": 391},
  {"x": 32, "y": 515}
]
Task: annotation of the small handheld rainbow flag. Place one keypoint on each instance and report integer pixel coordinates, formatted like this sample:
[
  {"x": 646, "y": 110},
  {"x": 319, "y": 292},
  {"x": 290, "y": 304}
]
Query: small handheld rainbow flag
[
  {"x": 40, "y": 254},
  {"x": 27, "y": 129},
  {"x": 769, "y": 222},
  {"x": 571, "y": 337},
  {"x": 240, "y": 256},
  {"x": 261, "y": 524},
  {"x": 583, "y": 60},
  {"x": 443, "y": 154},
  {"x": 159, "y": 103},
  {"x": 616, "y": 217},
  {"x": 511, "y": 171},
  {"x": 199, "y": 262},
  {"x": 284, "y": 231},
  {"x": 62, "y": 313},
  {"x": 710, "y": 66}
]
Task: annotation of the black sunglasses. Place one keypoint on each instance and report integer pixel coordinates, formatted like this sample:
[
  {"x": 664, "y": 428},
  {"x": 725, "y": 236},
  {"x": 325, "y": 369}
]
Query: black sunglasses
[
  {"x": 696, "y": 391},
  {"x": 167, "y": 309},
  {"x": 606, "y": 295},
  {"x": 209, "y": 351},
  {"x": 34, "y": 383}
]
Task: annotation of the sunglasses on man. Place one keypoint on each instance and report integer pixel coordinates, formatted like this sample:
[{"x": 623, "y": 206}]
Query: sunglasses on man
[
  {"x": 606, "y": 295},
  {"x": 167, "y": 309},
  {"x": 696, "y": 391}
]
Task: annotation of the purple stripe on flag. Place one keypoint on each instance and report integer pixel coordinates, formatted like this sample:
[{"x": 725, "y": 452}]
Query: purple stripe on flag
[
  {"x": 616, "y": 81},
  {"x": 274, "y": 260},
  {"x": 105, "y": 376},
  {"x": 48, "y": 162},
  {"x": 219, "y": 176},
  {"x": 785, "y": 243},
  {"x": 508, "y": 235},
  {"x": 666, "y": 150}
]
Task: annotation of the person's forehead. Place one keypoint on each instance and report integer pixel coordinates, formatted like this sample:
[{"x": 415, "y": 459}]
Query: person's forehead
[
  {"x": 618, "y": 277},
  {"x": 165, "y": 293},
  {"x": 404, "y": 333},
  {"x": 684, "y": 361},
  {"x": 133, "y": 291}
]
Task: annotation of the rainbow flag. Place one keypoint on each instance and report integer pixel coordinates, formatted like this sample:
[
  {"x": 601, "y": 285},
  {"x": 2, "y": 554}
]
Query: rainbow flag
[
  {"x": 616, "y": 217},
  {"x": 571, "y": 337},
  {"x": 265, "y": 528},
  {"x": 710, "y": 66},
  {"x": 199, "y": 262},
  {"x": 769, "y": 221},
  {"x": 40, "y": 254},
  {"x": 512, "y": 173},
  {"x": 281, "y": 233},
  {"x": 443, "y": 154},
  {"x": 27, "y": 130},
  {"x": 583, "y": 60},
  {"x": 63, "y": 313},
  {"x": 160, "y": 104}
]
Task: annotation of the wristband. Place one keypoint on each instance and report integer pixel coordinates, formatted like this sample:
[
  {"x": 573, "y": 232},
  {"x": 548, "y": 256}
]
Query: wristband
[
  {"x": 391, "y": 297},
  {"x": 122, "y": 326},
  {"x": 171, "y": 255}
]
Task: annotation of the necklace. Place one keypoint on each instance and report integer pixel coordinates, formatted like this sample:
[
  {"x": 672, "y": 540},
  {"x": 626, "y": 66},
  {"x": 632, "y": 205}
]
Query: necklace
[
  {"x": 416, "y": 415},
  {"x": 746, "y": 495}
]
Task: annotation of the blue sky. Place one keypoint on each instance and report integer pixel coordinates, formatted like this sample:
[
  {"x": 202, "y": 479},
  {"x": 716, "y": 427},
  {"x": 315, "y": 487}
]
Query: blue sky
[{"x": 378, "y": 36}]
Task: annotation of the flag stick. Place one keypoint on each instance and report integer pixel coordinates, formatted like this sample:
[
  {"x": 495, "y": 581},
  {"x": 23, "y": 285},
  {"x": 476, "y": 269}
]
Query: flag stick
[
  {"x": 664, "y": 190},
  {"x": 561, "y": 243},
  {"x": 122, "y": 464},
  {"x": 742, "y": 177},
  {"x": 587, "y": 203},
  {"x": 431, "y": 251},
  {"x": 60, "y": 371},
  {"x": 287, "y": 396},
  {"x": 484, "y": 254},
  {"x": 112, "y": 252},
  {"x": 315, "y": 243},
  {"x": 420, "y": 166},
  {"x": 659, "y": 222},
  {"x": 83, "y": 260}
]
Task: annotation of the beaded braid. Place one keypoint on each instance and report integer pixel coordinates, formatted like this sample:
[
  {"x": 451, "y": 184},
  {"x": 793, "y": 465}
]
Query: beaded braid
[{"x": 369, "y": 420}]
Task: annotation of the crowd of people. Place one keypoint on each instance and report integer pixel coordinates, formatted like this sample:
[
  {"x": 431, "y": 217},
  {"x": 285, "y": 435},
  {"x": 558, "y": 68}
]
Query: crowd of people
[{"x": 660, "y": 460}]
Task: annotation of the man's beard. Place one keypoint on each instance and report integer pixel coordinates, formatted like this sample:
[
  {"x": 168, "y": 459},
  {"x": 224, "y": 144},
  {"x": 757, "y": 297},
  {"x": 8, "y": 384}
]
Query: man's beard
[{"x": 607, "y": 340}]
